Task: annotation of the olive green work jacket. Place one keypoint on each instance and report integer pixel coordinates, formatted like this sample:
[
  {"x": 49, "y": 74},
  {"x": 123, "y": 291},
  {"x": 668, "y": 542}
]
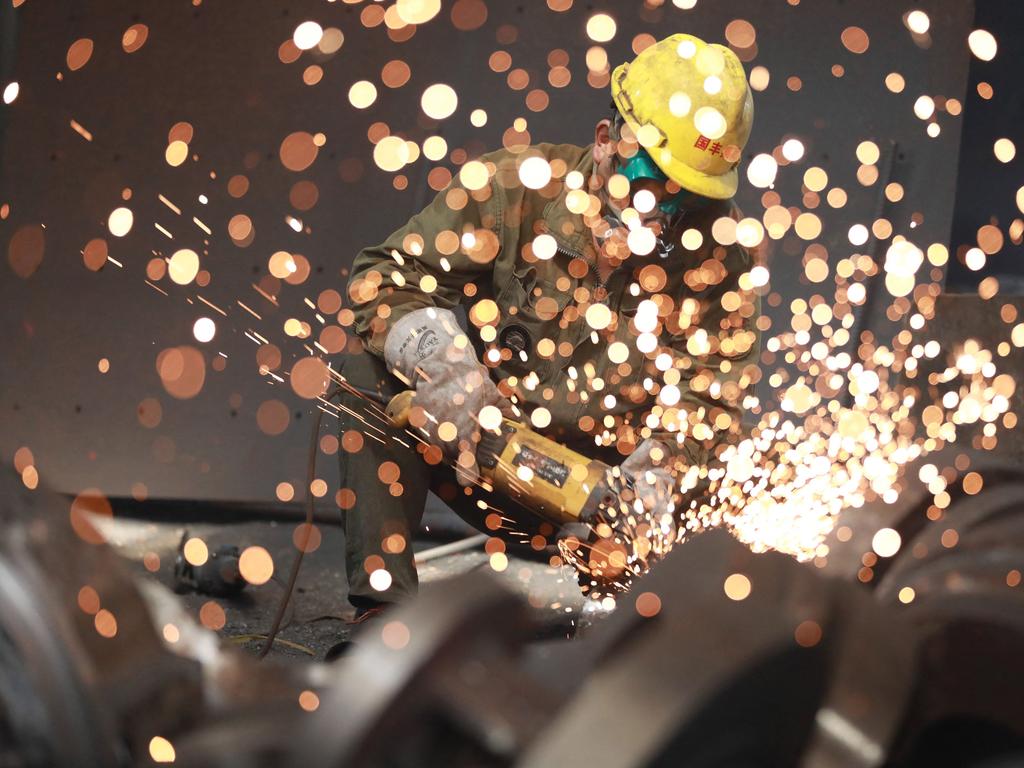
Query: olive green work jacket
[{"x": 677, "y": 374}]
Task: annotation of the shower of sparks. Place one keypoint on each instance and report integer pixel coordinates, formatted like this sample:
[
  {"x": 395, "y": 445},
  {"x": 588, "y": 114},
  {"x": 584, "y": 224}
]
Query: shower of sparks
[
  {"x": 782, "y": 488},
  {"x": 80, "y": 130}
]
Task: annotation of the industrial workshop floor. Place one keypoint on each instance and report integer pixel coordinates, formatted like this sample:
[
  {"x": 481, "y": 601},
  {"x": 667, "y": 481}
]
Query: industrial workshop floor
[{"x": 319, "y": 614}]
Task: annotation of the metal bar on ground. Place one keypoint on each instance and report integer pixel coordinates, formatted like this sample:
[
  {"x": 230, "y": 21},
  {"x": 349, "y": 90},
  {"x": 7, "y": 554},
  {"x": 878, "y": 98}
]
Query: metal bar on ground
[{"x": 450, "y": 549}]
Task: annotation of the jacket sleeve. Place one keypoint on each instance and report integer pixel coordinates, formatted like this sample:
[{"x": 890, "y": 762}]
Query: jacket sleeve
[
  {"x": 425, "y": 263},
  {"x": 716, "y": 351}
]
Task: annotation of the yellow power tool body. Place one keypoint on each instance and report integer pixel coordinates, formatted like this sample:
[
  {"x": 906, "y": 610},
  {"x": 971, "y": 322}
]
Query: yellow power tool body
[{"x": 555, "y": 482}]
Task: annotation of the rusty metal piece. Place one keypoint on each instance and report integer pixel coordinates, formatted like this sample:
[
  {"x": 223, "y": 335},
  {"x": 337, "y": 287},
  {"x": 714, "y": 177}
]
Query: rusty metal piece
[
  {"x": 951, "y": 580},
  {"x": 873, "y": 668},
  {"x": 443, "y": 673},
  {"x": 99, "y": 682},
  {"x": 710, "y": 680},
  {"x": 86, "y": 679},
  {"x": 908, "y": 516}
]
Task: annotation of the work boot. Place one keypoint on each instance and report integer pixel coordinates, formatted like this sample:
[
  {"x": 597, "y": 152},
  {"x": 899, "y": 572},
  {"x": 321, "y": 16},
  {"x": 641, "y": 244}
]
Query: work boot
[
  {"x": 367, "y": 618},
  {"x": 365, "y": 614}
]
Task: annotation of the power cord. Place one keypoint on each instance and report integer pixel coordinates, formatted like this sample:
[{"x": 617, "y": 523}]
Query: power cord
[{"x": 297, "y": 562}]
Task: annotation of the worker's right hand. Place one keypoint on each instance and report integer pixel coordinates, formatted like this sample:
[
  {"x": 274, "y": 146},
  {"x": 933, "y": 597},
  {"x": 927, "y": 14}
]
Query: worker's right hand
[
  {"x": 651, "y": 479},
  {"x": 428, "y": 348}
]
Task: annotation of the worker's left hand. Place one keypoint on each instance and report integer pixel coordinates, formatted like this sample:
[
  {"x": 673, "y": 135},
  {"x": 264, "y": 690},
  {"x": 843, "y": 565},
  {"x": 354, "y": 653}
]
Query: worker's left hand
[
  {"x": 652, "y": 481},
  {"x": 428, "y": 349},
  {"x": 454, "y": 388}
]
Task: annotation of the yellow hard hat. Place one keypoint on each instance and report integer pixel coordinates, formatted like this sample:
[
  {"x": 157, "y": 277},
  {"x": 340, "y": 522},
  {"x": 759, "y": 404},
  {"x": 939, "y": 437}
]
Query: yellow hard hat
[{"x": 690, "y": 107}]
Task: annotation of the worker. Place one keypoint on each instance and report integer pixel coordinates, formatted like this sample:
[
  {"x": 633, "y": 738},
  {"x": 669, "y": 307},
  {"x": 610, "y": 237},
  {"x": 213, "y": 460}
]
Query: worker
[{"x": 594, "y": 305}]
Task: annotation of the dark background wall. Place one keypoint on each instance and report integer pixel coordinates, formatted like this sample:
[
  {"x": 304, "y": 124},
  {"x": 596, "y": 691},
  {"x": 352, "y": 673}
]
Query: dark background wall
[
  {"x": 987, "y": 189},
  {"x": 215, "y": 65}
]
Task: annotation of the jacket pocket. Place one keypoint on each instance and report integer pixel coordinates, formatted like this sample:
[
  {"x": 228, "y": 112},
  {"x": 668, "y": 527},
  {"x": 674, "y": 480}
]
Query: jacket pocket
[{"x": 529, "y": 333}]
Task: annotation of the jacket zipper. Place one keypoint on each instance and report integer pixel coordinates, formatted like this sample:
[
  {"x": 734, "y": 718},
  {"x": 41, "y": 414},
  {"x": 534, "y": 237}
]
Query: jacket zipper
[{"x": 601, "y": 284}]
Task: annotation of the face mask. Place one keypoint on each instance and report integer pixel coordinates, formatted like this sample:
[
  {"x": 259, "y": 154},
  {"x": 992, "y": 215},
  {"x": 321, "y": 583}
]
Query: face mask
[
  {"x": 642, "y": 166},
  {"x": 663, "y": 244}
]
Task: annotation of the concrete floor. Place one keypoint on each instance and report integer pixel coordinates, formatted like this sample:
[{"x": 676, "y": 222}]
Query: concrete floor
[{"x": 319, "y": 615}]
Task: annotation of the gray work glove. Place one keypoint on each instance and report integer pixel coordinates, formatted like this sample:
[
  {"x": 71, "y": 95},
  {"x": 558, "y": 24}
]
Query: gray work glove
[
  {"x": 429, "y": 350},
  {"x": 652, "y": 480}
]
